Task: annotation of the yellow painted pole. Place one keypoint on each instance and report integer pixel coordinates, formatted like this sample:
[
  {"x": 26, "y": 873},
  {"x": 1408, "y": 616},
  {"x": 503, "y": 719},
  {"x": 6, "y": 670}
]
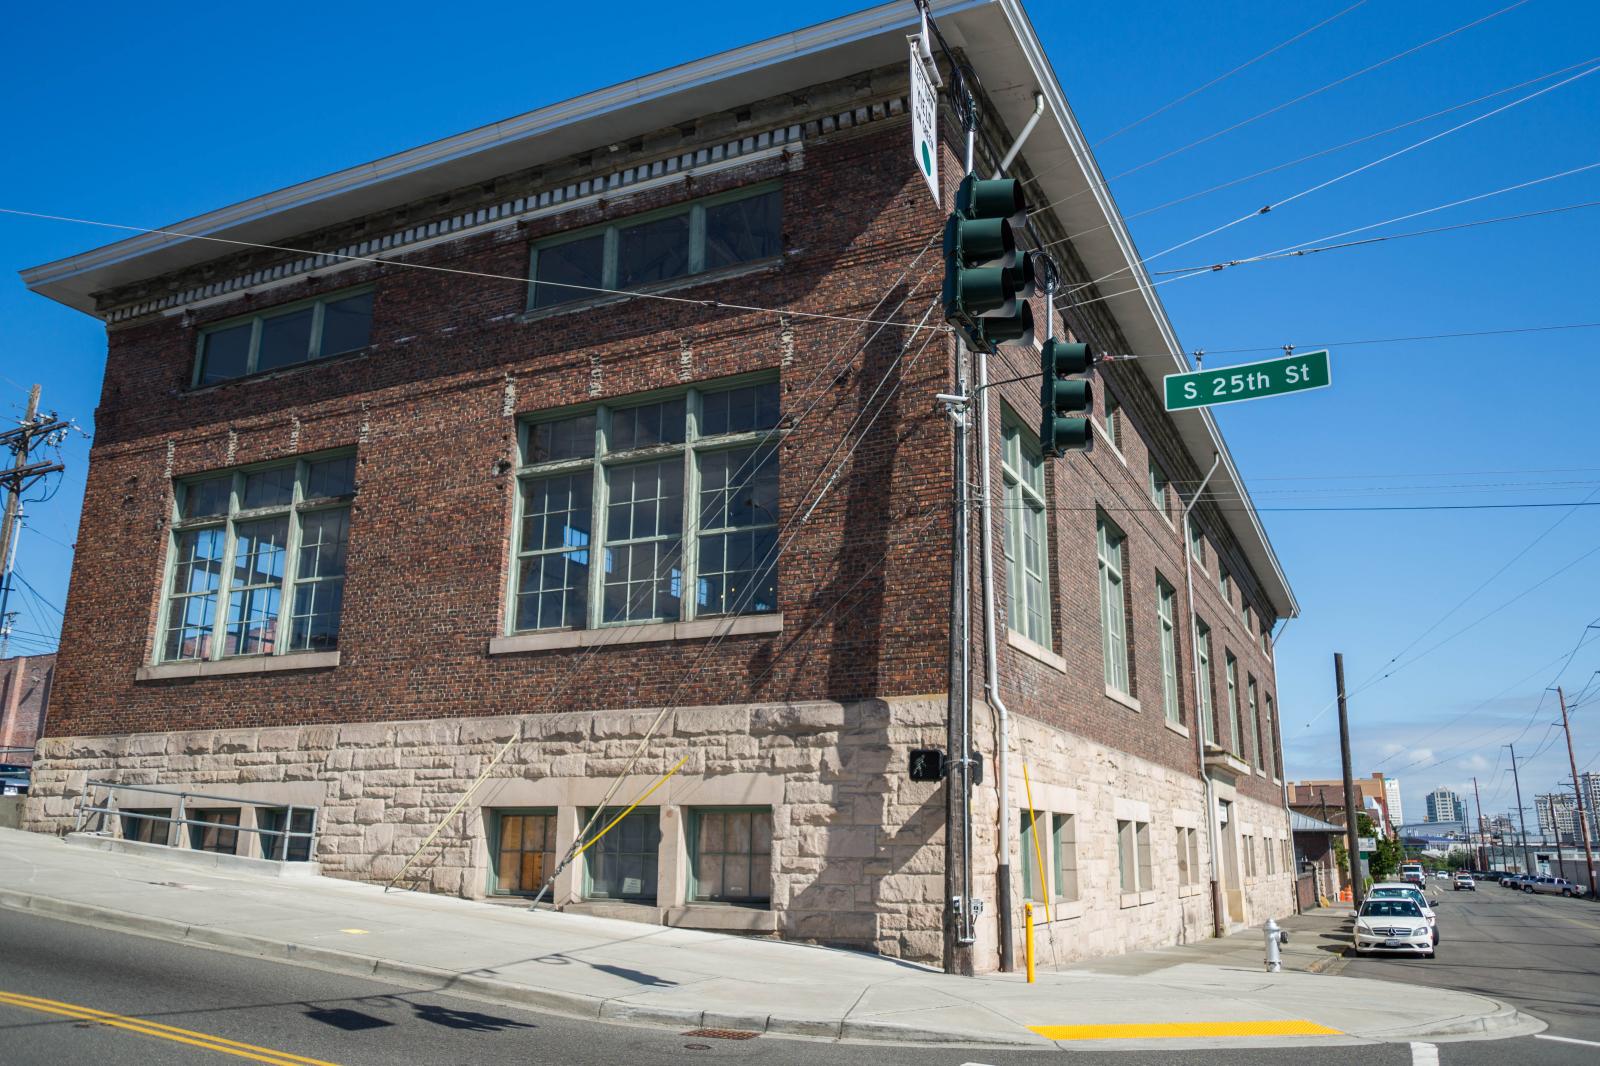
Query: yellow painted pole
[
  {"x": 1038, "y": 852},
  {"x": 1027, "y": 949},
  {"x": 663, "y": 780}
]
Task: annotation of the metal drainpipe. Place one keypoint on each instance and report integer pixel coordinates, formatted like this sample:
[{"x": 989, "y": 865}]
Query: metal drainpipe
[
  {"x": 1027, "y": 128},
  {"x": 1217, "y": 923}
]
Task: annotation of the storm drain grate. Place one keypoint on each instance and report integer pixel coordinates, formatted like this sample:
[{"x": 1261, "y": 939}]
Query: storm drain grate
[{"x": 723, "y": 1034}]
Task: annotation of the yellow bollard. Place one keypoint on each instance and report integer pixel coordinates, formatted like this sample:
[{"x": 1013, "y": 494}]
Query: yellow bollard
[{"x": 1027, "y": 949}]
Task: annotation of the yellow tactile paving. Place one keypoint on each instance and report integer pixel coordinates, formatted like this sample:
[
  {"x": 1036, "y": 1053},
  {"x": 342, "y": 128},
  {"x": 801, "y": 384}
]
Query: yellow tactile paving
[{"x": 1170, "y": 1030}]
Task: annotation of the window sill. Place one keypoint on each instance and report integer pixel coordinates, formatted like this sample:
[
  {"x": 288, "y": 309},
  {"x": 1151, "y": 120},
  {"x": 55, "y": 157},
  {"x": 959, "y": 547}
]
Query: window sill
[
  {"x": 1137, "y": 899},
  {"x": 1061, "y": 910},
  {"x": 1122, "y": 698},
  {"x": 1177, "y": 727},
  {"x": 254, "y": 664},
  {"x": 649, "y": 633},
  {"x": 705, "y": 277},
  {"x": 1109, "y": 444},
  {"x": 1035, "y": 651},
  {"x": 1186, "y": 891}
]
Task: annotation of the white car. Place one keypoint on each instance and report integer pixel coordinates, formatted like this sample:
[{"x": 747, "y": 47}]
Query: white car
[
  {"x": 1465, "y": 883},
  {"x": 1403, "y": 890},
  {"x": 1393, "y": 925}
]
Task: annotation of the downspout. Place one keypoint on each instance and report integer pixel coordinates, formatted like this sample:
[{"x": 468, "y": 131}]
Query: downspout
[
  {"x": 991, "y": 651},
  {"x": 1217, "y": 923}
]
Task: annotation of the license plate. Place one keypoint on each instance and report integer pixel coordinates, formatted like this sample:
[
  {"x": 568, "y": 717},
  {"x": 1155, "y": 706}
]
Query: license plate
[{"x": 1391, "y": 943}]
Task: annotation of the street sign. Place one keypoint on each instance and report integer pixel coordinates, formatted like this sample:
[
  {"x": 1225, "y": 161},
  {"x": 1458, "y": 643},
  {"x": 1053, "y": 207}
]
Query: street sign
[
  {"x": 924, "y": 122},
  {"x": 1366, "y": 844},
  {"x": 1248, "y": 381}
]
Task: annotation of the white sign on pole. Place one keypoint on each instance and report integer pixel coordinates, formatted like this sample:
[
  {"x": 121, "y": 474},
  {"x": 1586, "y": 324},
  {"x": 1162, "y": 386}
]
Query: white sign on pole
[{"x": 924, "y": 122}]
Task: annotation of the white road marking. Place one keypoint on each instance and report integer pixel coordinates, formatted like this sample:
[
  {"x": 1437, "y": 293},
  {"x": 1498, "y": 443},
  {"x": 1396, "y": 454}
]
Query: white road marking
[
  {"x": 1567, "y": 1040},
  {"x": 1424, "y": 1055}
]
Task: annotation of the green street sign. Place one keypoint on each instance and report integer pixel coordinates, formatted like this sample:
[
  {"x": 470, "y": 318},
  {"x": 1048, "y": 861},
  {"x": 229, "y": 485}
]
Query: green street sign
[{"x": 1248, "y": 381}]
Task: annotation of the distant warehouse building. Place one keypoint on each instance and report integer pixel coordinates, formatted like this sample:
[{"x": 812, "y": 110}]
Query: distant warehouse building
[{"x": 367, "y": 522}]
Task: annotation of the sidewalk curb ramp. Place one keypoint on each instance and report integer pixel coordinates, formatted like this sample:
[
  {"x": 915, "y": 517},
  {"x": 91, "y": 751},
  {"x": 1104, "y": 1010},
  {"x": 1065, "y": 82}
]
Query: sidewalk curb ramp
[{"x": 570, "y": 1004}]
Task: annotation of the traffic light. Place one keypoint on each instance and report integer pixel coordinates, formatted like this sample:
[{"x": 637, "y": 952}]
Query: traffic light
[
  {"x": 987, "y": 282},
  {"x": 1064, "y": 400}
]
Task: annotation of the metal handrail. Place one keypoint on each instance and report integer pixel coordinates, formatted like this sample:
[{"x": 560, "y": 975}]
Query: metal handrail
[{"x": 184, "y": 794}]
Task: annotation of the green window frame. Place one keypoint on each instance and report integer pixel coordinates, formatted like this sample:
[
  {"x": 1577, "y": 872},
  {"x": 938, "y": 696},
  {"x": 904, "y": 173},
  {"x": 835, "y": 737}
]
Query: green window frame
[
  {"x": 1064, "y": 839},
  {"x": 657, "y": 248},
  {"x": 1033, "y": 887},
  {"x": 1112, "y": 407},
  {"x": 251, "y": 549},
  {"x": 1133, "y": 856},
  {"x": 1253, "y": 707},
  {"x": 1224, "y": 584},
  {"x": 1026, "y": 531},
  {"x": 1158, "y": 487},
  {"x": 145, "y": 824},
  {"x": 1276, "y": 739},
  {"x": 276, "y": 823},
  {"x": 624, "y": 863},
  {"x": 1231, "y": 671},
  {"x": 215, "y": 835},
  {"x": 1110, "y": 542},
  {"x": 282, "y": 337},
  {"x": 1202, "y": 659},
  {"x": 1167, "y": 622},
  {"x": 1197, "y": 542},
  {"x": 730, "y": 855},
  {"x": 672, "y": 492},
  {"x": 522, "y": 849}
]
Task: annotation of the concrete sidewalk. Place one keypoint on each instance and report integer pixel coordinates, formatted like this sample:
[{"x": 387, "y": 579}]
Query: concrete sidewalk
[
  {"x": 622, "y": 971},
  {"x": 1317, "y": 943}
]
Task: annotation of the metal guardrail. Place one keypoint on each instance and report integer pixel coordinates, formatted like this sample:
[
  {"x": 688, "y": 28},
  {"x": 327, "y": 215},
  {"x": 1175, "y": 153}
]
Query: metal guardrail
[{"x": 281, "y": 836}]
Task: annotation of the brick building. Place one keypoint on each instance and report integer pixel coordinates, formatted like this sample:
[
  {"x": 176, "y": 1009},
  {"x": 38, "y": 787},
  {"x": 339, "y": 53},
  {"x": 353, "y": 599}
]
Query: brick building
[
  {"x": 1325, "y": 800},
  {"x": 344, "y": 502},
  {"x": 25, "y": 682}
]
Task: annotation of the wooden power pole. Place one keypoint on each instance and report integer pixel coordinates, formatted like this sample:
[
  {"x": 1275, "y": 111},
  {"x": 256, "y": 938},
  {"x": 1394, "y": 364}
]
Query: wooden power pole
[
  {"x": 1577, "y": 788},
  {"x": 1352, "y": 831}
]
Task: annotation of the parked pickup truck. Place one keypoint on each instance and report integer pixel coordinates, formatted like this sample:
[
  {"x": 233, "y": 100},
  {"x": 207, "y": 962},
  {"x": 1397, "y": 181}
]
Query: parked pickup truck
[{"x": 1552, "y": 886}]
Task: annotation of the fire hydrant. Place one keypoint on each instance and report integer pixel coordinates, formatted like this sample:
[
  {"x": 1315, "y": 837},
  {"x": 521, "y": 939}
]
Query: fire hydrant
[{"x": 1275, "y": 936}]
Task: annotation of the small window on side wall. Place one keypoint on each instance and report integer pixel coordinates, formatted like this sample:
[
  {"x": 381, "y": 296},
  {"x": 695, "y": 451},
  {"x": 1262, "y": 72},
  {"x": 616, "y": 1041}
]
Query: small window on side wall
[
  {"x": 730, "y": 855},
  {"x": 284, "y": 337}
]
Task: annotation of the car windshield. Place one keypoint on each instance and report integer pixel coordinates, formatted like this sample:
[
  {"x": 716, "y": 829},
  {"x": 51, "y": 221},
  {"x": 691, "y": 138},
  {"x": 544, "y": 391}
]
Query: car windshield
[
  {"x": 1390, "y": 908},
  {"x": 1398, "y": 893}
]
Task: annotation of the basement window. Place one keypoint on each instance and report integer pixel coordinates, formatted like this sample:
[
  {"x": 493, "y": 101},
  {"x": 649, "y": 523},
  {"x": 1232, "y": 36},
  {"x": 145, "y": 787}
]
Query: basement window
[
  {"x": 730, "y": 855},
  {"x": 658, "y": 247},
  {"x": 284, "y": 337},
  {"x": 215, "y": 834},
  {"x": 524, "y": 850},
  {"x": 622, "y": 864}
]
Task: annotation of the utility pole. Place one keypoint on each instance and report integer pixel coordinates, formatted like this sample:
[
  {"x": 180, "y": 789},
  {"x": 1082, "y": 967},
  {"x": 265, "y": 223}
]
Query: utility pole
[
  {"x": 16, "y": 479},
  {"x": 1483, "y": 861},
  {"x": 1522, "y": 815},
  {"x": 1352, "y": 831},
  {"x": 1577, "y": 788}
]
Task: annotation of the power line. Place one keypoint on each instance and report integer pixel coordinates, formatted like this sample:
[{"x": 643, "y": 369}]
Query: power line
[
  {"x": 1386, "y": 237},
  {"x": 718, "y": 305},
  {"x": 1288, "y": 103},
  {"x": 1224, "y": 77}
]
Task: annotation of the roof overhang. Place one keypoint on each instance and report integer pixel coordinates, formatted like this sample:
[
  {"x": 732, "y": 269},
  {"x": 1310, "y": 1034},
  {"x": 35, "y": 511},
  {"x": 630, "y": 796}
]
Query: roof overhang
[{"x": 1005, "y": 55}]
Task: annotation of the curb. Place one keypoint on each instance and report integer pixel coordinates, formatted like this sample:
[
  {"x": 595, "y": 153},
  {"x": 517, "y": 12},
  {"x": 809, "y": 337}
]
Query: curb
[
  {"x": 1506, "y": 1022},
  {"x": 569, "y": 1004}
]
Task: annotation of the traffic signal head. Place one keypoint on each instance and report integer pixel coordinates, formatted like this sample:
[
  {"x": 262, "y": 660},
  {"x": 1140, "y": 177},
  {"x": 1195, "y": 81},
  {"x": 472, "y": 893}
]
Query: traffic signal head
[
  {"x": 986, "y": 281},
  {"x": 1064, "y": 400}
]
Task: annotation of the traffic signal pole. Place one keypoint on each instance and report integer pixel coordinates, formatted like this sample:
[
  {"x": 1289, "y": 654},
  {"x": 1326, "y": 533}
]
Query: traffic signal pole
[{"x": 1577, "y": 788}]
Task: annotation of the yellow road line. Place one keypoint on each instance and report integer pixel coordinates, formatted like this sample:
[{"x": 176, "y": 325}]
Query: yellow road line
[
  {"x": 1169, "y": 1030},
  {"x": 145, "y": 1027}
]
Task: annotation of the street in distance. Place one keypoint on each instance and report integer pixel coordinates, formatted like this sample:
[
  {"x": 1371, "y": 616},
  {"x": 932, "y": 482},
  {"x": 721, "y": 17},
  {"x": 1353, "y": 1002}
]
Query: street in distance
[{"x": 1248, "y": 381}]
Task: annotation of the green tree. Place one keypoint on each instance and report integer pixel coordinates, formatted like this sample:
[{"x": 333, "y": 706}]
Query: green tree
[{"x": 1385, "y": 861}]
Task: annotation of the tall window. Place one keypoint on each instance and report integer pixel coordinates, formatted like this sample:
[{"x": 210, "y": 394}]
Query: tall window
[
  {"x": 1231, "y": 668},
  {"x": 1257, "y": 750},
  {"x": 524, "y": 850},
  {"x": 686, "y": 490},
  {"x": 730, "y": 856},
  {"x": 1188, "y": 855},
  {"x": 1066, "y": 855},
  {"x": 249, "y": 542},
  {"x": 1112, "y": 407},
  {"x": 622, "y": 864},
  {"x": 1033, "y": 886},
  {"x": 1276, "y": 740},
  {"x": 1197, "y": 542},
  {"x": 1166, "y": 616},
  {"x": 1133, "y": 856},
  {"x": 1202, "y": 658},
  {"x": 1113, "y": 616},
  {"x": 716, "y": 233},
  {"x": 1224, "y": 584},
  {"x": 284, "y": 336},
  {"x": 1026, "y": 534},
  {"x": 1158, "y": 487}
]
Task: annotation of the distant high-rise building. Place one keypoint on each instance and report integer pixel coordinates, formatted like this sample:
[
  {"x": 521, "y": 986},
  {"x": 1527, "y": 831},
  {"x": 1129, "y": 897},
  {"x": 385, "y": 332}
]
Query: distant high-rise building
[
  {"x": 1589, "y": 785},
  {"x": 1558, "y": 815},
  {"x": 1503, "y": 826},
  {"x": 1391, "y": 795},
  {"x": 1445, "y": 806}
]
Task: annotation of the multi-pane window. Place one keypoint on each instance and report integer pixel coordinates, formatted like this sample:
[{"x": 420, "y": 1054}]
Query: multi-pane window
[
  {"x": 284, "y": 336},
  {"x": 1197, "y": 542},
  {"x": 1065, "y": 833},
  {"x": 1113, "y": 616},
  {"x": 1252, "y": 708},
  {"x": 524, "y": 851},
  {"x": 1224, "y": 584},
  {"x": 1112, "y": 407},
  {"x": 1231, "y": 670},
  {"x": 1188, "y": 855},
  {"x": 1275, "y": 740},
  {"x": 1158, "y": 487},
  {"x": 277, "y": 824},
  {"x": 249, "y": 545},
  {"x": 1133, "y": 856},
  {"x": 1248, "y": 615},
  {"x": 1033, "y": 842},
  {"x": 1166, "y": 618},
  {"x": 213, "y": 834},
  {"x": 1202, "y": 659},
  {"x": 147, "y": 824},
  {"x": 1249, "y": 856},
  {"x": 650, "y": 512},
  {"x": 622, "y": 864},
  {"x": 1026, "y": 534},
  {"x": 731, "y": 855},
  {"x": 716, "y": 233},
  {"x": 1270, "y": 854}
]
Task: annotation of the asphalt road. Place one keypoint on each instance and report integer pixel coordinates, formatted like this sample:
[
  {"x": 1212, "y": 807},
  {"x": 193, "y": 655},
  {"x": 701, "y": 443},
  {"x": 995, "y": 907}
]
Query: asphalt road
[{"x": 78, "y": 994}]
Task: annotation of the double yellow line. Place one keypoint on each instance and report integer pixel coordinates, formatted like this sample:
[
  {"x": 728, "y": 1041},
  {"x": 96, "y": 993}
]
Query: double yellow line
[{"x": 145, "y": 1027}]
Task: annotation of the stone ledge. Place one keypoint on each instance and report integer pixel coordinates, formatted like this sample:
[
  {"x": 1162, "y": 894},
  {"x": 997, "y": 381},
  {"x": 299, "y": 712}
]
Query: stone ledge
[
  {"x": 722, "y": 919},
  {"x": 208, "y": 860},
  {"x": 253, "y": 664},
  {"x": 1035, "y": 651},
  {"x": 651, "y": 633},
  {"x": 1123, "y": 698}
]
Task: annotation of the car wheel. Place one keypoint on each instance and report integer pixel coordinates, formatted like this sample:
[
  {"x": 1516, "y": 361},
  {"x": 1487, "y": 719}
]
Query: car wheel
[
  {"x": 1528, "y": 889},
  {"x": 1567, "y": 892}
]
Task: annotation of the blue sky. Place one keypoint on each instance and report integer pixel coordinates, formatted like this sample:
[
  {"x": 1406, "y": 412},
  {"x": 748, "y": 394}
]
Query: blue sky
[{"x": 117, "y": 115}]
